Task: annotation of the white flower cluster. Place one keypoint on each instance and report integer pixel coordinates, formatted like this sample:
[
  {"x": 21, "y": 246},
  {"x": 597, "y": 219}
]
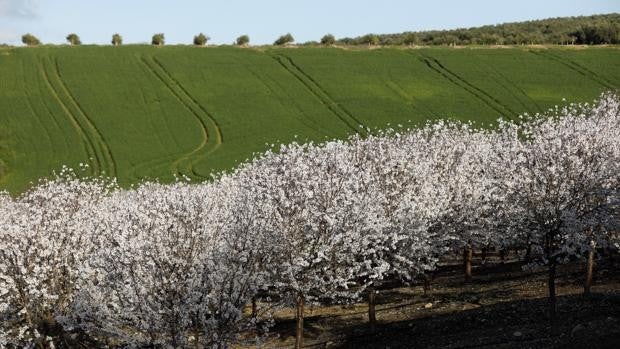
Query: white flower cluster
[{"x": 175, "y": 265}]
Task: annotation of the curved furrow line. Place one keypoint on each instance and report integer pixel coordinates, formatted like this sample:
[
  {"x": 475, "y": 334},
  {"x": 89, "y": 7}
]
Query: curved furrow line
[
  {"x": 43, "y": 89},
  {"x": 150, "y": 166},
  {"x": 508, "y": 83},
  {"x": 170, "y": 161},
  {"x": 320, "y": 94},
  {"x": 93, "y": 157},
  {"x": 43, "y": 126},
  {"x": 308, "y": 122},
  {"x": 166, "y": 160},
  {"x": 207, "y": 122},
  {"x": 455, "y": 82},
  {"x": 218, "y": 131},
  {"x": 324, "y": 91},
  {"x": 429, "y": 63},
  {"x": 99, "y": 148},
  {"x": 410, "y": 98},
  {"x": 602, "y": 79},
  {"x": 183, "y": 165},
  {"x": 483, "y": 92},
  {"x": 95, "y": 133},
  {"x": 267, "y": 80},
  {"x": 36, "y": 114},
  {"x": 184, "y": 156},
  {"x": 539, "y": 109},
  {"x": 579, "y": 69},
  {"x": 210, "y": 121}
]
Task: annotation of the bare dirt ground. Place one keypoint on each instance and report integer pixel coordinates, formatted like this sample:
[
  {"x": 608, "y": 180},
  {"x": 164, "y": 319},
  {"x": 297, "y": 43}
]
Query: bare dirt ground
[{"x": 504, "y": 307}]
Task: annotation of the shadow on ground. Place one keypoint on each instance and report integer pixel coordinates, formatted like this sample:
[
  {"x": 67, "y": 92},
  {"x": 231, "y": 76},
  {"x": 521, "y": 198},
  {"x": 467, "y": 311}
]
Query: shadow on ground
[
  {"x": 504, "y": 307},
  {"x": 592, "y": 322}
]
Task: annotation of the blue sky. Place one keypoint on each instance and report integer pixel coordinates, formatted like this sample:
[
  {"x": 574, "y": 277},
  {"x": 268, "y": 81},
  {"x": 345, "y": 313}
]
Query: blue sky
[{"x": 95, "y": 20}]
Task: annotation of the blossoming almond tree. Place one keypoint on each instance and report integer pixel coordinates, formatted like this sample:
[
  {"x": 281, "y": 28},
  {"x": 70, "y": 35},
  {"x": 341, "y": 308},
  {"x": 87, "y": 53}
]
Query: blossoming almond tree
[
  {"x": 319, "y": 212},
  {"x": 141, "y": 286},
  {"x": 242, "y": 261},
  {"x": 177, "y": 265},
  {"x": 43, "y": 243},
  {"x": 463, "y": 155},
  {"x": 401, "y": 178},
  {"x": 394, "y": 243},
  {"x": 558, "y": 174}
]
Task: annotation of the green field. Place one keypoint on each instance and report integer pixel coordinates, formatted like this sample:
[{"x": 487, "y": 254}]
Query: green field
[{"x": 137, "y": 112}]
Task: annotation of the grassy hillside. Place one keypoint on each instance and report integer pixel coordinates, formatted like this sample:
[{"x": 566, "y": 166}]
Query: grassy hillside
[{"x": 140, "y": 111}]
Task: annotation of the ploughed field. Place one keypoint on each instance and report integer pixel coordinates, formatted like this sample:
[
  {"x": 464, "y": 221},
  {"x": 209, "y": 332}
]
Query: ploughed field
[{"x": 136, "y": 112}]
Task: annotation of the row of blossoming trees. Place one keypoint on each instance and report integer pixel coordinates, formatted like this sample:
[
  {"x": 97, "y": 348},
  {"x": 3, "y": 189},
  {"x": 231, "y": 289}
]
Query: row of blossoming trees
[{"x": 82, "y": 261}]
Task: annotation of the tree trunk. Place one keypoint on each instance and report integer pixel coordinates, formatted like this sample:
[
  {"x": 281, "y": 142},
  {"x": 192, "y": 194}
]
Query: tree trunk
[
  {"x": 467, "y": 257},
  {"x": 502, "y": 255},
  {"x": 484, "y": 254},
  {"x": 589, "y": 268},
  {"x": 552, "y": 299},
  {"x": 196, "y": 339},
  {"x": 427, "y": 284},
  {"x": 49, "y": 328},
  {"x": 372, "y": 318},
  {"x": 254, "y": 308},
  {"x": 528, "y": 253},
  {"x": 299, "y": 333}
]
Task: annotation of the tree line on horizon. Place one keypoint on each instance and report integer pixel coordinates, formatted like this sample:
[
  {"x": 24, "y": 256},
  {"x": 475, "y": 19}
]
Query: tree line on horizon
[
  {"x": 583, "y": 30},
  {"x": 158, "y": 39}
]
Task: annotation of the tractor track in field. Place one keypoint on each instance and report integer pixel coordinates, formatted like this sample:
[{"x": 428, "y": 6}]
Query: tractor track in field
[
  {"x": 37, "y": 115},
  {"x": 43, "y": 126},
  {"x": 508, "y": 83},
  {"x": 174, "y": 160},
  {"x": 490, "y": 101},
  {"x": 211, "y": 140},
  {"x": 166, "y": 161},
  {"x": 486, "y": 94},
  {"x": 110, "y": 162},
  {"x": 42, "y": 87},
  {"x": 309, "y": 122},
  {"x": 319, "y": 92},
  {"x": 218, "y": 130},
  {"x": 576, "y": 67},
  {"x": 537, "y": 106},
  {"x": 161, "y": 161},
  {"x": 87, "y": 142},
  {"x": 410, "y": 98},
  {"x": 210, "y": 119}
]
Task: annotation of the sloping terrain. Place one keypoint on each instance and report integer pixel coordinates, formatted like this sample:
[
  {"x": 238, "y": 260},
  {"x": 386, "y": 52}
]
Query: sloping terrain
[{"x": 138, "y": 112}]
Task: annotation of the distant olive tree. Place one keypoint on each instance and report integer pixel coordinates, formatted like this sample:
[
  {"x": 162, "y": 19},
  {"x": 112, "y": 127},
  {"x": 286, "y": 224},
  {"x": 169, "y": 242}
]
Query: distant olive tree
[
  {"x": 117, "y": 39},
  {"x": 30, "y": 40},
  {"x": 284, "y": 39},
  {"x": 410, "y": 39},
  {"x": 73, "y": 39},
  {"x": 370, "y": 39},
  {"x": 243, "y": 40},
  {"x": 328, "y": 39},
  {"x": 201, "y": 39},
  {"x": 158, "y": 39}
]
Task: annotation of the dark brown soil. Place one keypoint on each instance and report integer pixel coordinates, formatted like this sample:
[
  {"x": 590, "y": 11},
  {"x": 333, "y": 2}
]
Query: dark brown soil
[{"x": 504, "y": 307}]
